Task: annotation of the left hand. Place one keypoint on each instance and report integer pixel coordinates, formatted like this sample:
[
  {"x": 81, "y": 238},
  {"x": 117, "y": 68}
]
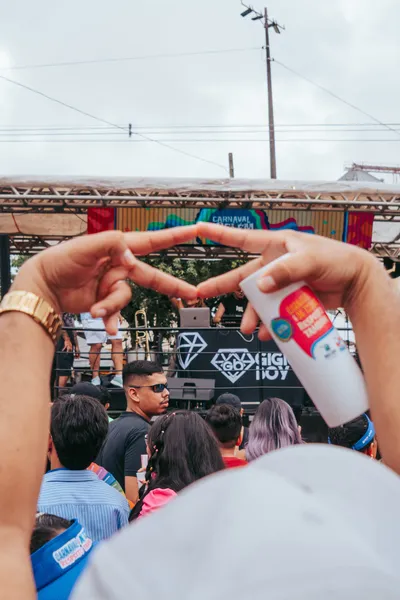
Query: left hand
[
  {"x": 341, "y": 274},
  {"x": 89, "y": 273}
]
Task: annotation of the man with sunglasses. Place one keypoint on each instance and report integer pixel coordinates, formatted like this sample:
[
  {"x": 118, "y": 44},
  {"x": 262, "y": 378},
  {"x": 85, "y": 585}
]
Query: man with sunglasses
[{"x": 147, "y": 396}]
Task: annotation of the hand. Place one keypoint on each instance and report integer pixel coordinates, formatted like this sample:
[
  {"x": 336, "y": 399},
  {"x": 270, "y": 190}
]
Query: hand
[
  {"x": 88, "y": 273},
  {"x": 67, "y": 345},
  {"x": 77, "y": 354},
  {"x": 339, "y": 273}
]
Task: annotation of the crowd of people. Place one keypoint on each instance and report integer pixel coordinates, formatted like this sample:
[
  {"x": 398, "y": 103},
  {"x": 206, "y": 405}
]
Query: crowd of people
[{"x": 206, "y": 506}]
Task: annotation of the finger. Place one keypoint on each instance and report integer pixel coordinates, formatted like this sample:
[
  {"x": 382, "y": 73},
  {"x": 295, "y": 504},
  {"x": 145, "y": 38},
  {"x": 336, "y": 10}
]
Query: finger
[
  {"x": 263, "y": 334},
  {"x": 152, "y": 278},
  {"x": 292, "y": 268},
  {"x": 229, "y": 282},
  {"x": 111, "y": 324},
  {"x": 118, "y": 297},
  {"x": 89, "y": 249},
  {"x": 147, "y": 242},
  {"x": 109, "y": 279},
  {"x": 255, "y": 242},
  {"x": 250, "y": 320}
]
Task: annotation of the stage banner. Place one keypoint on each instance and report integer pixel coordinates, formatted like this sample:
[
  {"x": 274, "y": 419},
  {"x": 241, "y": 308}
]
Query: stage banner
[
  {"x": 100, "y": 219},
  {"x": 325, "y": 223},
  {"x": 358, "y": 229}
]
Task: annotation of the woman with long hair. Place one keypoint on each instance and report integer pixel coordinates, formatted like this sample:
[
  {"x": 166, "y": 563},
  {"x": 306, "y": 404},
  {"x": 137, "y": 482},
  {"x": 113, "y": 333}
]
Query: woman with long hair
[
  {"x": 274, "y": 426},
  {"x": 182, "y": 449}
]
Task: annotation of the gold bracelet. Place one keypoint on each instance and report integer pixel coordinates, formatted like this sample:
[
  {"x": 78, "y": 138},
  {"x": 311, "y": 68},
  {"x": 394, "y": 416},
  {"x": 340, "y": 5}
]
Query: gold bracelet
[{"x": 35, "y": 307}]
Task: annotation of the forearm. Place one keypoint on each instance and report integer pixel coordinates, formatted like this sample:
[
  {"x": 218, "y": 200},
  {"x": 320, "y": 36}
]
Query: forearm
[
  {"x": 24, "y": 425},
  {"x": 24, "y": 406},
  {"x": 376, "y": 321}
]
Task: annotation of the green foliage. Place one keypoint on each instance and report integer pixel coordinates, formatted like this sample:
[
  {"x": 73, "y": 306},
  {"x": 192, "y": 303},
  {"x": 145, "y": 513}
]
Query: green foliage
[
  {"x": 159, "y": 309},
  {"x": 16, "y": 263}
]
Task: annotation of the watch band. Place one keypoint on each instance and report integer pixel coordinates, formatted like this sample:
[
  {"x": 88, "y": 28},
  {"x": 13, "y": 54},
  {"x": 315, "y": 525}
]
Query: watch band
[{"x": 35, "y": 307}]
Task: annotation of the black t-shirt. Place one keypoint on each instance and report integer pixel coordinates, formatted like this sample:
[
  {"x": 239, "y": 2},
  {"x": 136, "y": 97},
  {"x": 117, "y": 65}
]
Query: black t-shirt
[
  {"x": 124, "y": 444},
  {"x": 234, "y": 309}
]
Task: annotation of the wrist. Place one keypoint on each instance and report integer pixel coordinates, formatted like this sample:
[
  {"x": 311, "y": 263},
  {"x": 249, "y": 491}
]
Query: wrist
[
  {"x": 367, "y": 288},
  {"x": 30, "y": 279}
]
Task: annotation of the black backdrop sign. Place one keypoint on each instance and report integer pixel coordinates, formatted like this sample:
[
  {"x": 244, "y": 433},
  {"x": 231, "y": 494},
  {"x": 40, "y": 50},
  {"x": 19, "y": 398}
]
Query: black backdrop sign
[{"x": 239, "y": 363}]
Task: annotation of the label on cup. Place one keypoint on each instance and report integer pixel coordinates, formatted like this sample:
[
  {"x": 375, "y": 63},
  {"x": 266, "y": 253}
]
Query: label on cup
[{"x": 303, "y": 319}]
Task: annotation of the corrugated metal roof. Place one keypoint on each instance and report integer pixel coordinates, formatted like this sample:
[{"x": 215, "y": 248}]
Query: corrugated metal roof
[{"x": 358, "y": 175}]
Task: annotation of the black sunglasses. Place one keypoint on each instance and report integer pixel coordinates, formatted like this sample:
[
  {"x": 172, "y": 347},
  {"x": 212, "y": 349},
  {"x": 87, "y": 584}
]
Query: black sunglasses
[{"x": 157, "y": 387}]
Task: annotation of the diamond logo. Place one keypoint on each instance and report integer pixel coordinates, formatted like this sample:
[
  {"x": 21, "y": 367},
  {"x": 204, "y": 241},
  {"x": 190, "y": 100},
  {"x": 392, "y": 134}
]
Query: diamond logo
[
  {"x": 189, "y": 346},
  {"x": 233, "y": 363}
]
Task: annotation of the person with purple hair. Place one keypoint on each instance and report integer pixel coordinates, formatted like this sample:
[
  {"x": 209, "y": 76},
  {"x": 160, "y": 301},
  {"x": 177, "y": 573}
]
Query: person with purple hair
[{"x": 274, "y": 426}]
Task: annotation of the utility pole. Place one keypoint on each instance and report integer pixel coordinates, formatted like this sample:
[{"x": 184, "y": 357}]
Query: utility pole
[
  {"x": 231, "y": 166},
  {"x": 267, "y": 24},
  {"x": 272, "y": 148}
]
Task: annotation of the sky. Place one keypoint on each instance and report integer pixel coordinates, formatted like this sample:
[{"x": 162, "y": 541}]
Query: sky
[{"x": 347, "y": 46}]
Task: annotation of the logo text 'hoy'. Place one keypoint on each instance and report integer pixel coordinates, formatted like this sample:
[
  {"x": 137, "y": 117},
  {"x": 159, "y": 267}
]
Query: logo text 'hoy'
[{"x": 271, "y": 366}]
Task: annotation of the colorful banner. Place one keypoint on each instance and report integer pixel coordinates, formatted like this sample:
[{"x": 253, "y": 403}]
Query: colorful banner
[
  {"x": 100, "y": 219},
  {"x": 358, "y": 229},
  {"x": 325, "y": 223}
]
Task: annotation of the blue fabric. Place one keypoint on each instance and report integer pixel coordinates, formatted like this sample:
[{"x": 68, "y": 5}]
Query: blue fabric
[
  {"x": 58, "y": 564},
  {"x": 81, "y": 495}
]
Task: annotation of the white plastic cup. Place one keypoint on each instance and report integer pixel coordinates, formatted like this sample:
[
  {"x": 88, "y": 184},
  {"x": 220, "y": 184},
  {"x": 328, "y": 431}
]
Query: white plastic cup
[
  {"x": 144, "y": 460},
  {"x": 317, "y": 354}
]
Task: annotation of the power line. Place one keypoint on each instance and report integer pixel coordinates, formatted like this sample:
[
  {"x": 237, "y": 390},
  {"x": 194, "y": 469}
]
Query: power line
[
  {"x": 73, "y": 63},
  {"x": 324, "y": 89},
  {"x": 213, "y": 140},
  {"x": 104, "y": 121},
  {"x": 263, "y": 126},
  {"x": 111, "y": 131}
]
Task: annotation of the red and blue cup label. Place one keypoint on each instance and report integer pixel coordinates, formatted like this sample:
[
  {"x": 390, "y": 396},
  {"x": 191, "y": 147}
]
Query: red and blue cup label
[{"x": 302, "y": 318}]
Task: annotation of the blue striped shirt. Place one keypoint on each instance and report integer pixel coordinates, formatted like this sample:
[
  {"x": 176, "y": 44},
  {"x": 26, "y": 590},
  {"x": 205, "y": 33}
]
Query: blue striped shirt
[{"x": 81, "y": 495}]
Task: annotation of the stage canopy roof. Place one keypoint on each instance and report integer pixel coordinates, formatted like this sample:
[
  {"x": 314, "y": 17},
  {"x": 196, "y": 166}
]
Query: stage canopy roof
[{"x": 40, "y": 211}]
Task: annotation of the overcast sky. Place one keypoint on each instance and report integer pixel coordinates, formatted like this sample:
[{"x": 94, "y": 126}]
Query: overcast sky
[{"x": 349, "y": 46}]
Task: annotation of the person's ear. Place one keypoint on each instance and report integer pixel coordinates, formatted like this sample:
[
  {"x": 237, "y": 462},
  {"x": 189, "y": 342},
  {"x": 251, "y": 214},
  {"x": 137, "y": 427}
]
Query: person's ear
[
  {"x": 133, "y": 395},
  {"x": 241, "y": 412},
  {"x": 107, "y": 406}
]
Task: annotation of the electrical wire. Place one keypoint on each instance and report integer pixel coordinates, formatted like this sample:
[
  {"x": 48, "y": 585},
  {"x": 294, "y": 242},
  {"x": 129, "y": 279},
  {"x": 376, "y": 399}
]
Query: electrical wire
[
  {"x": 197, "y": 140},
  {"x": 73, "y": 63},
  {"x": 324, "y": 89},
  {"x": 104, "y": 121},
  {"x": 262, "y": 127}
]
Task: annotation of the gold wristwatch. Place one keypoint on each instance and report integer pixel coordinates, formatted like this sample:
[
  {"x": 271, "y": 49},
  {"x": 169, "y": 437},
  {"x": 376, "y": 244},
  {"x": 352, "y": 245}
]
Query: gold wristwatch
[{"x": 35, "y": 307}]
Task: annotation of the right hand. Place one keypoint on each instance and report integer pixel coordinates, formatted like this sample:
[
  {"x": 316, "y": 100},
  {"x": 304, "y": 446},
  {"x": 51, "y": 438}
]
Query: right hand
[
  {"x": 89, "y": 272},
  {"x": 67, "y": 345},
  {"x": 339, "y": 273}
]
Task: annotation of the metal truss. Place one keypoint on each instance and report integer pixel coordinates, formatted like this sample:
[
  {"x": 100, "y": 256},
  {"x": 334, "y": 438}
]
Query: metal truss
[
  {"x": 30, "y": 245},
  {"x": 62, "y": 197},
  {"x": 49, "y": 196},
  {"x": 383, "y": 250}
]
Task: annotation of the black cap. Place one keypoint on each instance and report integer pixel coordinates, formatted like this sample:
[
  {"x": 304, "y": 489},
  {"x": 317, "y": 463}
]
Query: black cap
[
  {"x": 86, "y": 389},
  {"x": 230, "y": 399}
]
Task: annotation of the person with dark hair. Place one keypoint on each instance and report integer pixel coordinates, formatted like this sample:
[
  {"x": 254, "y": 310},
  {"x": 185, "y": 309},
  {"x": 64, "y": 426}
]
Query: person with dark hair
[
  {"x": 59, "y": 553},
  {"x": 226, "y": 423},
  {"x": 100, "y": 392},
  {"x": 358, "y": 434},
  {"x": 181, "y": 449},
  {"x": 235, "y": 401},
  {"x": 147, "y": 396},
  {"x": 77, "y": 430},
  {"x": 274, "y": 426},
  {"x": 231, "y": 309}
]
